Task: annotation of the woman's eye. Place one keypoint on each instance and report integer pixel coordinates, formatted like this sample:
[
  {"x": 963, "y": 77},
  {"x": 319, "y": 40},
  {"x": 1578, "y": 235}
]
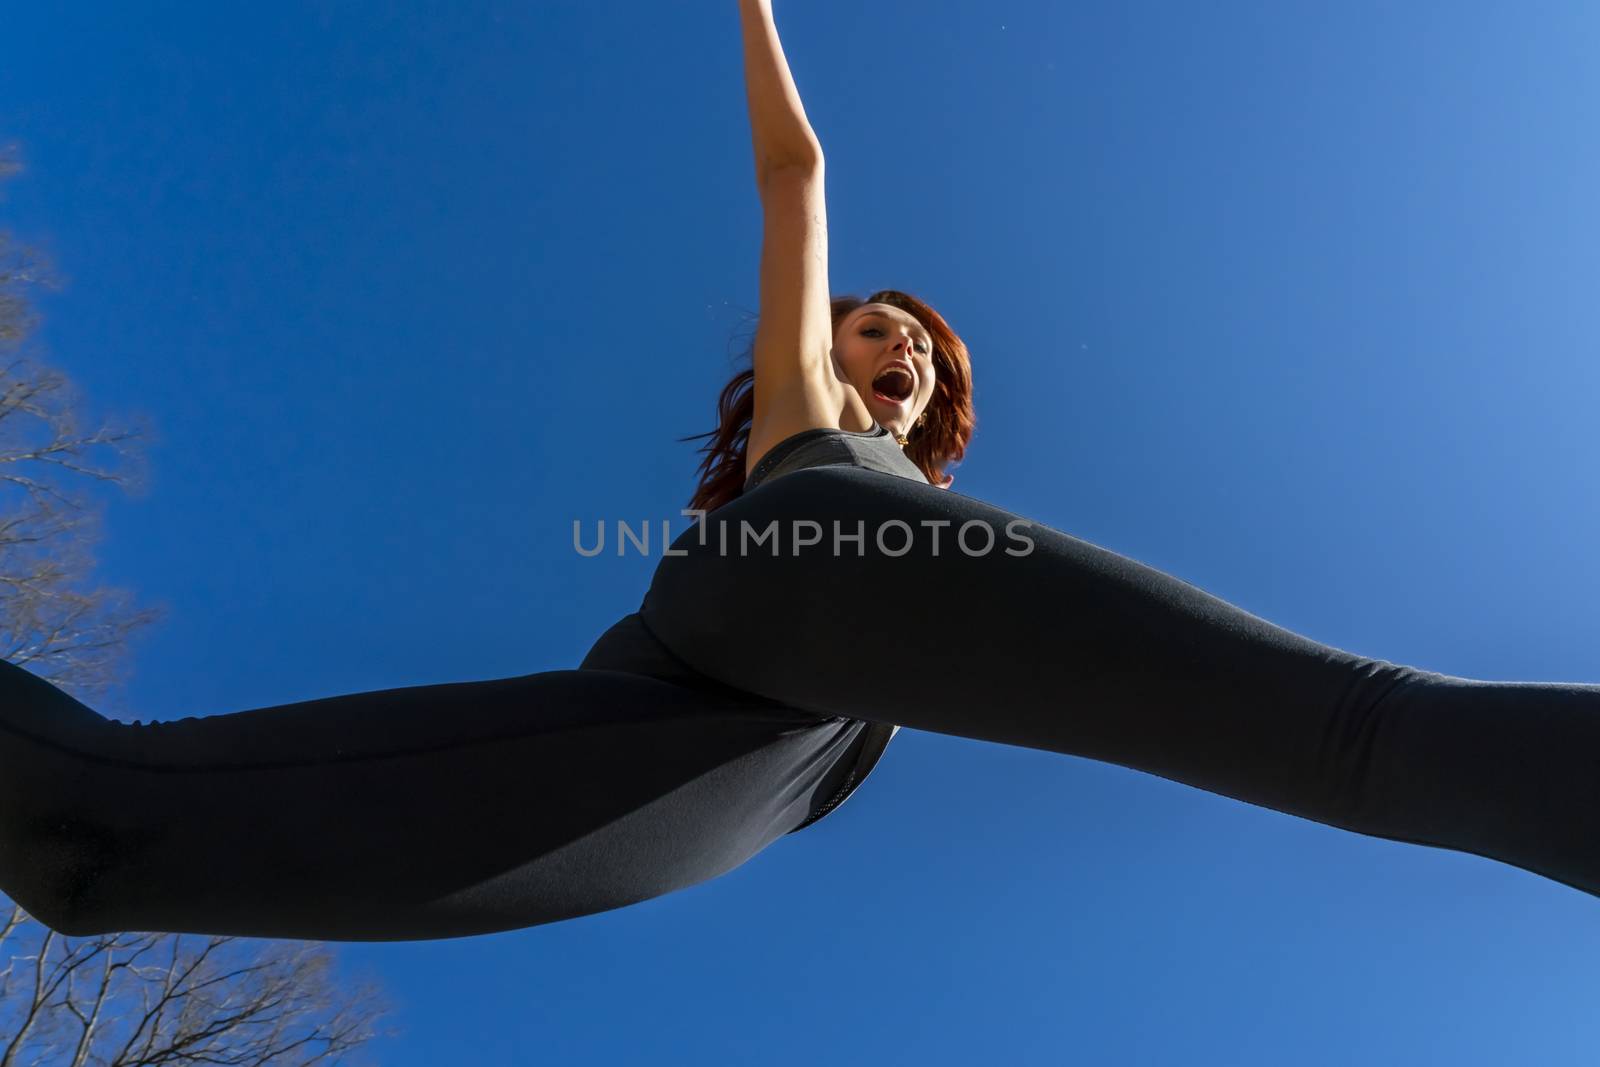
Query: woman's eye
[{"x": 873, "y": 329}]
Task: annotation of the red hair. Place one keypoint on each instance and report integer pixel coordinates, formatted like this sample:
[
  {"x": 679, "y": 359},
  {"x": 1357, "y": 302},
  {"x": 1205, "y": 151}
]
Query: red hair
[{"x": 938, "y": 439}]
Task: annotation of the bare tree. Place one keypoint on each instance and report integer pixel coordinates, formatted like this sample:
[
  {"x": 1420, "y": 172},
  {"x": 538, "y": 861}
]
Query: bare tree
[
  {"x": 70, "y": 637},
  {"x": 125, "y": 999},
  {"x": 121, "y": 999}
]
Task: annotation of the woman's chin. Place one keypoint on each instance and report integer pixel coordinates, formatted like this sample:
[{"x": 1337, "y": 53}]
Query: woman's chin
[{"x": 887, "y": 411}]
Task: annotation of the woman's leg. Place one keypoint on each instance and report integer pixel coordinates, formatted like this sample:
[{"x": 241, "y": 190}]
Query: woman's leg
[
  {"x": 423, "y": 812},
  {"x": 1075, "y": 649}
]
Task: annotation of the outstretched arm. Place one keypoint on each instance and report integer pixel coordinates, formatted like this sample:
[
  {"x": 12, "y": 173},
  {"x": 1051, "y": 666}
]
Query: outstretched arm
[
  {"x": 795, "y": 384},
  {"x": 783, "y": 137}
]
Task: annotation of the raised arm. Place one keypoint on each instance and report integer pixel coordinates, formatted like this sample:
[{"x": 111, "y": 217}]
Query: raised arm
[
  {"x": 795, "y": 385},
  {"x": 778, "y": 123}
]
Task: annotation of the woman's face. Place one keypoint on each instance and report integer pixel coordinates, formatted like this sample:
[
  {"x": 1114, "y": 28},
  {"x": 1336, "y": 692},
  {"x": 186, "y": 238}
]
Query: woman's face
[{"x": 874, "y": 338}]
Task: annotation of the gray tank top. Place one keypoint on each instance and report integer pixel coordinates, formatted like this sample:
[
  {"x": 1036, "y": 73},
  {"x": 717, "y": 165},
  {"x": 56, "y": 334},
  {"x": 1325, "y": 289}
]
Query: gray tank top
[{"x": 875, "y": 449}]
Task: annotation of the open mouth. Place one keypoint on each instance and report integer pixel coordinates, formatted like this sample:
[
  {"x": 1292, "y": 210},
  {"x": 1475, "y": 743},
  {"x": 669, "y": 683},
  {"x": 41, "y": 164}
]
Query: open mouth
[{"x": 894, "y": 385}]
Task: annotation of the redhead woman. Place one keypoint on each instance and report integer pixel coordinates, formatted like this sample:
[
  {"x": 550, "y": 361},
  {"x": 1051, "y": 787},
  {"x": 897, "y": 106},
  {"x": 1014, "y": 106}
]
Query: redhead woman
[{"x": 833, "y": 588}]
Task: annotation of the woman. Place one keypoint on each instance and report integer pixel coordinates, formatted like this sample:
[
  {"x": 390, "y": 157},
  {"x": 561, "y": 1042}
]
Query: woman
[{"x": 756, "y": 687}]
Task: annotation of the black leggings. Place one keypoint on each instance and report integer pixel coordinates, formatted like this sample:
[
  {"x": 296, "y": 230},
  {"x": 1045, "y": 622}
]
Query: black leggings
[{"x": 724, "y": 713}]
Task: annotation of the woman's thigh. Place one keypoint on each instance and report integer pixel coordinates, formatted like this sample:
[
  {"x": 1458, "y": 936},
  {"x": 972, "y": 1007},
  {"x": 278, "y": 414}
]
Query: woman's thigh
[{"x": 942, "y": 612}]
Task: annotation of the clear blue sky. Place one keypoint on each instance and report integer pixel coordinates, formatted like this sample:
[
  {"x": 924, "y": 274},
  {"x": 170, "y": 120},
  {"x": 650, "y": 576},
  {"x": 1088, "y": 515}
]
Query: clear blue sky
[{"x": 1293, "y": 301}]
